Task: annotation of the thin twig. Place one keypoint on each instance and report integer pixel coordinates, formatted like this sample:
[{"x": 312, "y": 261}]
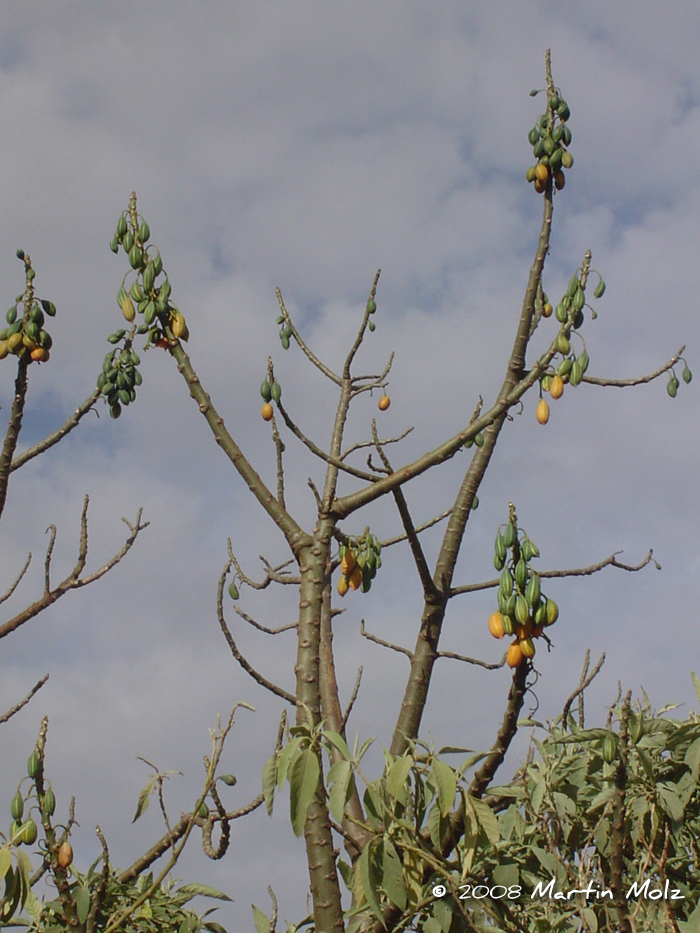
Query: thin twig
[
  {"x": 305, "y": 349},
  {"x": 462, "y": 657},
  {"x": 361, "y": 444},
  {"x": 360, "y": 334},
  {"x": 58, "y": 435},
  {"x": 429, "y": 524},
  {"x": 640, "y": 380},
  {"x": 586, "y": 679},
  {"x": 273, "y": 916},
  {"x": 384, "y": 644},
  {"x": 22, "y": 703},
  {"x": 17, "y": 581},
  {"x": 98, "y": 897},
  {"x": 353, "y": 697},
  {"x": 292, "y": 626}
]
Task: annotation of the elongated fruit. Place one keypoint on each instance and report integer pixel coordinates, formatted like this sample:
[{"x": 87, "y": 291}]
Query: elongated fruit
[
  {"x": 266, "y": 411},
  {"x": 65, "y": 855},
  {"x": 514, "y": 655},
  {"x": 496, "y": 625},
  {"x": 542, "y": 411}
]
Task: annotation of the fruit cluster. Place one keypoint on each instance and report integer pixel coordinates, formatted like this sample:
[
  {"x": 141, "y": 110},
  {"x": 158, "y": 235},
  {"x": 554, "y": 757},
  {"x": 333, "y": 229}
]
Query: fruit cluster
[
  {"x": 270, "y": 392},
  {"x": 673, "y": 383},
  {"x": 549, "y": 139},
  {"x": 146, "y": 295},
  {"x": 359, "y": 562},
  {"x": 120, "y": 376},
  {"x": 25, "y": 336},
  {"x": 524, "y": 610}
]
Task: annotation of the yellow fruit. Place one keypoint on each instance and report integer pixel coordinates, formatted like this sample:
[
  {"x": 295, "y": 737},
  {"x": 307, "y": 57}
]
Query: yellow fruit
[
  {"x": 355, "y": 580},
  {"x": 4, "y": 349},
  {"x": 556, "y": 390},
  {"x": 14, "y": 341},
  {"x": 547, "y": 310},
  {"x": 527, "y": 647},
  {"x": 347, "y": 564},
  {"x": 177, "y": 326},
  {"x": 266, "y": 412},
  {"x": 542, "y": 411},
  {"x": 515, "y": 655},
  {"x": 128, "y": 309},
  {"x": 524, "y": 631},
  {"x": 39, "y": 354},
  {"x": 496, "y": 625},
  {"x": 65, "y": 855},
  {"x": 540, "y": 185},
  {"x": 343, "y": 586},
  {"x": 541, "y": 173},
  {"x": 384, "y": 402},
  {"x": 559, "y": 181}
]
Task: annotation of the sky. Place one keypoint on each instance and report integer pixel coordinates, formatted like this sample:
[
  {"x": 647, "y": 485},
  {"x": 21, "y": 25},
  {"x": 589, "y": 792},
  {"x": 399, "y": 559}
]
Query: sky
[{"x": 303, "y": 146}]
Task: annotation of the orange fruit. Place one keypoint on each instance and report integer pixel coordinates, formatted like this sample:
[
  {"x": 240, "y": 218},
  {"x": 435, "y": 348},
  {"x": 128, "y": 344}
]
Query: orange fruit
[
  {"x": 355, "y": 580},
  {"x": 556, "y": 390},
  {"x": 515, "y": 655},
  {"x": 343, "y": 586},
  {"x": 542, "y": 411},
  {"x": 347, "y": 564},
  {"x": 559, "y": 181},
  {"x": 546, "y": 310},
  {"x": 384, "y": 402},
  {"x": 266, "y": 411},
  {"x": 540, "y": 185},
  {"x": 496, "y": 625},
  {"x": 65, "y": 855},
  {"x": 39, "y": 354},
  {"x": 541, "y": 173}
]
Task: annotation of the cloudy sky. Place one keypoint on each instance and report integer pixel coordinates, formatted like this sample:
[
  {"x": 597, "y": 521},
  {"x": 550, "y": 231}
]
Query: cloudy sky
[{"x": 304, "y": 146}]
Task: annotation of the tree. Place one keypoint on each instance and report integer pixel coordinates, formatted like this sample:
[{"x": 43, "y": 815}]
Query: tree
[{"x": 423, "y": 828}]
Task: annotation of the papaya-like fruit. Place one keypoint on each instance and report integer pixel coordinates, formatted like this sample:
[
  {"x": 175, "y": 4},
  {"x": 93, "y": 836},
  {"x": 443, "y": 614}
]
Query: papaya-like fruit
[
  {"x": 33, "y": 765},
  {"x": 496, "y": 625},
  {"x": 343, "y": 586},
  {"x": 65, "y": 854},
  {"x": 542, "y": 411},
  {"x": 48, "y": 804},
  {"x": 552, "y": 612},
  {"x": 266, "y": 412},
  {"x": 547, "y": 309},
  {"x": 521, "y": 573},
  {"x": 527, "y": 647},
  {"x": 609, "y": 748},
  {"x": 347, "y": 564},
  {"x": 541, "y": 172},
  {"x": 17, "y": 807},
  {"x": 355, "y": 580},
  {"x": 559, "y": 180},
  {"x": 522, "y": 610},
  {"x": 515, "y": 655},
  {"x": 384, "y": 402},
  {"x": 556, "y": 390}
]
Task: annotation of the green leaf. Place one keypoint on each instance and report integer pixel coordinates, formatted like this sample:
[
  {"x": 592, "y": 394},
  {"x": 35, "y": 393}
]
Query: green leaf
[
  {"x": 285, "y": 757},
  {"x": 81, "y": 896},
  {"x": 370, "y": 881},
  {"x": 203, "y": 890},
  {"x": 443, "y": 914},
  {"x": 269, "y": 780},
  {"x": 261, "y": 921},
  {"x": 33, "y": 907},
  {"x": 692, "y": 758},
  {"x": 396, "y": 778},
  {"x": 588, "y": 912},
  {"x": 392, "y": 881},
  {"x": 487, "y": 820},
  {"x": 5, "y": 861},
  {"x": 144, "y": 799},
  {"x": 670, "y": 800},
  {"x": 446, "y": 782},
  {"x": 303, "y": 782},
  {"x": 338, "y": 742},
  {"x": 340, "y": 776},
  {"x": 506, "y": 873},
  {"x": 365, "y": 745}
]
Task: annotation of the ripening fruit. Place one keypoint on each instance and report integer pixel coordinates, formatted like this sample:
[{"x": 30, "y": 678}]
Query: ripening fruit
[
  {"x": 39, "y": 355},
  {"x": 384, "y": 402},
  {"x": 541, "y": 172},
  {"x": 355, "y": 581},
  {"x": 128, "y": 309},
  {"x": 178, "y": 325},
  {"x": 542, "y": 411},
  {"x": 496, "y": 625},
  {"x": 347, "y": 564},
  {"x": 559, "y": 180},
  {"x": 540, "y": 185},
  {"x": 527, "y": 647},
  {"x": 514, "y": 655},
  {"x": 556, "y": 389},
  {"x": 546, "y": 310},
  {"x": 266, "y": 411},
  {"x": 65, "y": 855},
  {"x": 343, "y": 586}
]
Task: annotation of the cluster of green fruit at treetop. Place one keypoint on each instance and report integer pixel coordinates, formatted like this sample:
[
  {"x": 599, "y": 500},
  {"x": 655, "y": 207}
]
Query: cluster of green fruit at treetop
[
  {"x": 25, "y": 335},
  {"x": 549, "y": 139}
]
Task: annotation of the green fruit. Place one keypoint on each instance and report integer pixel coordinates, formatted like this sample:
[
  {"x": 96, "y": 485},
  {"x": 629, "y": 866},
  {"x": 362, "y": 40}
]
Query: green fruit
[
  {"x": 522, "y": 610},
  {"x": 371, "y": 306},
  {"x": 576, "y": 373},
  {"x": 538, "y": 150},
  {"x": 533, "y": 136},
  {"x": 124, "y": 396},
  {"x": 502, "y": 601},
  {"x": 31, "y": 330},
  {"x": 115, "y": 410},
  {"x": 510, "y": 535},
  {"x": 135, "y": 257},
  {"x": 500, "y": 546},
  {"x": 499, "y": 562},
  {"x": 33, "y": 765},
  {"x": 114, "y": 244},
  {"x": 672, "y": 387},
  {"x": 526, "y": 548},
  {"x": 158, "y": 264},
  {"x": 686, "y": 375},
  {"x": 577, "y": 320},
  {"x": 510, "y": 604},
  {"x": 561, "y": 312},
  {"x": 563, "y": 111},
  {"x": 565, "y": 367},
  {"x": 49, "y": 308},
  {"x": 573, "y": 286},
  {"x": 128, "y": 240},
  {"x": 11, "y": 315},
  {"x": 552, "y": 612},
  {"x": 144, "y": 232},
  {"x": 233, "y": 591},
  {"x": 530, "y": 173},
  {"x": 579, "y": 299},
  {"x": 555, "y": 160},
  {"x": 521, "y": 573},
  {"x": 567, "y": 160},
  {"x": 203, "y": 811},
  {"x": 583, "y": 360},
  {"x": 149, "y": 276},
  {"x": 17, "y": 806},
  {"x": 29, "y": 832},
  {"x": 276, "y": 391},
  {"x": 566, "y": 136},
  {"x": 266, "y": 390},
  {"x": 16, "y": 833},
  {"x": 562, "y": 344},
  {"x": 121, "y": 226},
  {"x": 541, "y": 614},
  {"x": 506, "y": 583},
  {"x": 609, "y": 748},
  {"x": 49, "y": 803},
  {"x": 136, "y": 291},
  {"x": 554, "y": 102},
  {"x": 532, "y": 591},
  {"x": 475, "y": 503},
  {"x": 479, "y": 439},
  {"x": 549, "y": 145},
  {"x": 149, "y": 313},
  {"x": 507, "y": 623},
  {"x": 372, "y": 327}
]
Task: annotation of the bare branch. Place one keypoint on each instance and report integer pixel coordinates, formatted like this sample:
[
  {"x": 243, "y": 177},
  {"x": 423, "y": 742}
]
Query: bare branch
[
  {"x": 292, "y": 626},
  {"x": 74, "y": 580},
  {"x": 640, "y": 380},
  {"x": 22, "y": 703},
  {"x": 16, "y": 583},
  {"x": 321, "y": 454},
  {"x": 307, "y": 352},
  {"x": 98, "y": 897},
  {"x": 258, "y": 678},
  {"x": 272, "y": 574},
  {"x": 384, "y": 644},
  {"x": 428, "y": 524},
  {"x": 353, "y": 697},
  {"x": 58, "y": 435},
  {"x": 361, "y": 444},
  {"x": 376, "y": 382},
  {"x": 14, "y": 426},
  {"x": 279, "y": 445},
  {"x": 586, "y": 679},
  {"x": 578, "y": 572},
  {"x": 47, "y": 562},
  {"x": 361, "y": 333},
  {"x": 462, "y": 657},
  {"x": 273, "y": 916}
]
